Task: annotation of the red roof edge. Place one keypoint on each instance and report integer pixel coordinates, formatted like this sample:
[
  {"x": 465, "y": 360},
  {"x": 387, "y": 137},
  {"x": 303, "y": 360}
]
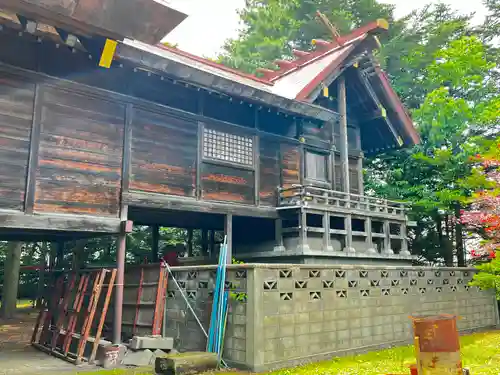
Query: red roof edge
[
  {"x": 398, "y": 106},
  {"x": 213, "y": 64}
]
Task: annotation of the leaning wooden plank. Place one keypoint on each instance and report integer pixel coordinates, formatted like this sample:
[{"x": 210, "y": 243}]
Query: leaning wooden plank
[
  {"x": 74, "y": 313},
  {"x": 186, "y": 363},
  {"x": 111, "y": 284}
]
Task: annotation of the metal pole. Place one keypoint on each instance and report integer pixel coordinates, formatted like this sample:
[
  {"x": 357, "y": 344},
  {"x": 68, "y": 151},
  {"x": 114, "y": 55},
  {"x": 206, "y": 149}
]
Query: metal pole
[
  {"x": 171, "y": 274},
  {"x": 120, "y": 277}
]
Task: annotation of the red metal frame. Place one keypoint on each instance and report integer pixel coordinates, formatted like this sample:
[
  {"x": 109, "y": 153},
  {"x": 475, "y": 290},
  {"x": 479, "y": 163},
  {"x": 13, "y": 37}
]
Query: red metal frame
[{"x": 103, "y": 316}]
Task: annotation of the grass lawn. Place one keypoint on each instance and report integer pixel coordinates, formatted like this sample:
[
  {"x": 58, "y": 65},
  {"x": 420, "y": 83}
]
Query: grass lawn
[{"x": 480, "y": 353}]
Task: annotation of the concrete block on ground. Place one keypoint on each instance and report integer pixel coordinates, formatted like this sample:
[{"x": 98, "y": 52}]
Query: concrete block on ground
[
  {"x": 186, "y": 363},
  {"x": 139, "y": 358},
  {"x": 151, "y": 342}
]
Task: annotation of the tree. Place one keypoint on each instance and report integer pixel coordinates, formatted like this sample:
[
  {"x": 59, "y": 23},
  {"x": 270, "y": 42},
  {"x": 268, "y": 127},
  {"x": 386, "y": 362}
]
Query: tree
[
  {"x": 439, "y": 174},
  {"x": 272, "y": 28}
]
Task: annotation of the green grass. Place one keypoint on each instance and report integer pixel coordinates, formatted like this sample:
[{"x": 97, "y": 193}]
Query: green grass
[{"x": 480, "y": 353}]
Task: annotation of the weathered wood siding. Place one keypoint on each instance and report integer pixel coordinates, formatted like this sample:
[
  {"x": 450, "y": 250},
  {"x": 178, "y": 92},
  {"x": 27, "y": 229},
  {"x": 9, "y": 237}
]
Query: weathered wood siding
[
  {"x": 16, "y": 117},
  {"x": 164, "y": 153},
  {"x": 225, "y": 183},
  {"x": 80, "y": 156},
  {"x": 269, "y": 171},
  {"x": 290, "y": 164}
]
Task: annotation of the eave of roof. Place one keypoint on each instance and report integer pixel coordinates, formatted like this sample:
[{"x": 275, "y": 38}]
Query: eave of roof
[{"x": 194, "y": 71}]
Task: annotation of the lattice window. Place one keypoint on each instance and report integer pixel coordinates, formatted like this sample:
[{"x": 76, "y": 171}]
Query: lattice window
[{"x": 227, "y": 147}]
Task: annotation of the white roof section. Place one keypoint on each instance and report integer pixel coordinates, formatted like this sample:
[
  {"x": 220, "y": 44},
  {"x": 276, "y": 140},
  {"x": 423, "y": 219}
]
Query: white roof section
[
  {"x": 290, "y": 85},
  {"x": 287, "y": 86}
]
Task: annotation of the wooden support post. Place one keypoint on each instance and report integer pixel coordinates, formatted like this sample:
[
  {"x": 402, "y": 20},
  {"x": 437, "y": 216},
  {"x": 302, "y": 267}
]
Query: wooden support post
[
  {"x": 204, "y": 242},
  {"x": 327, "y": 243},
  {"x": 404, "y": 240},
  {"x": 155, "y": 239},
  {"x": 121, "y": 246},
  {"x": 348, "y": 237},
  {"x": 211, "y": 245},
  {"x": 369, "y": 236},
  {"x": 361, "y": 183},
  {"x": 11, "y": 280},
  {"x": 303, "y": 245},
  {"x": 387, "y": 238},
  {"x": 190, "y": 243},
  {"x": 344, "y": 145},
  {"x": 228, "y": 231},
  {"x": 278, "y": 234}
]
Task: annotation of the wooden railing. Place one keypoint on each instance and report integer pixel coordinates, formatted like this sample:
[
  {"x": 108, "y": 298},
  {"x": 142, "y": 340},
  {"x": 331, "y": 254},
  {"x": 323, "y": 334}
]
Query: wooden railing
[{"x": 331, "y": 200}]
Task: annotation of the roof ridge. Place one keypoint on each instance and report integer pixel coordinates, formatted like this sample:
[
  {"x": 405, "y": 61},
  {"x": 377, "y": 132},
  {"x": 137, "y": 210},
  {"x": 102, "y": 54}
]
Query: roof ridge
[{"x": 322, "y": 48}]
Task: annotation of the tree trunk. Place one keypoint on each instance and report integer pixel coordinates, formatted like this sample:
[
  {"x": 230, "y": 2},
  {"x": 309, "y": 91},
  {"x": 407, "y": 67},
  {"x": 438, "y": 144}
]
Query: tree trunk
[
  {"x": 11, "y": 280},
  {"x": 79, "y": 255},
  {"x": 41, "y": 274},
  {"x": 459, "y": 240}
]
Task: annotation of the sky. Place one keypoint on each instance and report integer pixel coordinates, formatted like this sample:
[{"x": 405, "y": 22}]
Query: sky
[{"x": 210, "y": 23}]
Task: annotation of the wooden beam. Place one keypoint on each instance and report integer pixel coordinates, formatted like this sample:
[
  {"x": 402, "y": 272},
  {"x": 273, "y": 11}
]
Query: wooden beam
[
  {"x": 29, "y": 198},
  {"x": 66, "y": 223},
  {"x": 168, "y": 202}
]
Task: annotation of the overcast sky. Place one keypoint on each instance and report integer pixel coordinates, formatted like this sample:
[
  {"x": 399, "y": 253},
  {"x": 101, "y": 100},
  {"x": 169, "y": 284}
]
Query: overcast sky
[{"x": 210, "y": 23}]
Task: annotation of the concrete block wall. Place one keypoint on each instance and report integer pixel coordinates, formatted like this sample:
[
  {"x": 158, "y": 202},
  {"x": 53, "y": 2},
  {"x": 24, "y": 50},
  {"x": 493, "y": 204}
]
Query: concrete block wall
[
  {"x": 197, "y": 284},
  {"x": 298, "y": 313},
  {"x": 316, "y": 312}
]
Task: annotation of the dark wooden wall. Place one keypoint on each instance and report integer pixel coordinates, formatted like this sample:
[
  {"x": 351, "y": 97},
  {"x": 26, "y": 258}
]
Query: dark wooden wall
[
  {"x": 80, "y": 153},
  {"x": 163, "y": 153},
  {"x": 17, "y": 97}
]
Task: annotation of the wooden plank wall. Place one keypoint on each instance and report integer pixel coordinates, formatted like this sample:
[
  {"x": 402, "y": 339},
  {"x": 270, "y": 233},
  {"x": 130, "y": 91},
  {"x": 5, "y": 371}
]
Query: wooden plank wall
[
  {"x": 164, "y": 153},
  {"x": 80, "y": 155},
  {"x": 16, "y": 117},
  {"x": 270, "y": 177},
  {"x": 290, "y": 164},
  {"x": 227, "y": 183}
]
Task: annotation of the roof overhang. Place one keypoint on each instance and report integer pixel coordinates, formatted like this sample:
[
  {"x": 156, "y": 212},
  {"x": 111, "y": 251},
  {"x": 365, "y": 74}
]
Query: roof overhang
[
  {"x": 145, "y": 20},
  {"x": 165, "y": 62}
]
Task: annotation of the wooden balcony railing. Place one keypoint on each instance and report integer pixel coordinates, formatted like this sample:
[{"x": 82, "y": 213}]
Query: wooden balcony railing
[{"x": 331, "y": 200}]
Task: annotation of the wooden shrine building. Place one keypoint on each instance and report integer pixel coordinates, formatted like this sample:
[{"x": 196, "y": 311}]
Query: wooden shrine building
[{"x": 96, "y": 134}]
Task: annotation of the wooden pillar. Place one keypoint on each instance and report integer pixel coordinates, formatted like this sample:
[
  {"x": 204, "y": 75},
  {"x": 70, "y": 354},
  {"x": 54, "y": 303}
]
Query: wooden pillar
[
  {"x": 303, "y": 245},
  {"x": 348, "y": 237},
  {"x": 155, "y": 243},
  {"x": 327, "y": 243},
  {"x": 404, "y": 240},
  {"x": 369, "y": 236},
  {"x": 11, "y": 280},
  {"x": 278, "y": 235},
  {"x": 204, "y": 242},
  {"x": 190, "y": 243},
  {"x": 344, "y": 145},
  {"x": 211, "y": 244},
  {"x": 387, "y": 238},
  {"x": 121, "y": 245},
  {"x": 361, "y": 182},
  {"x": 228, "y": 231}
]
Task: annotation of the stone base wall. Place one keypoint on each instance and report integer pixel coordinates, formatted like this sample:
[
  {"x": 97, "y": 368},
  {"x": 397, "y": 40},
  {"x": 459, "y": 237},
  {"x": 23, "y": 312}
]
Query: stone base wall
[{"x": 289, "y": 314}]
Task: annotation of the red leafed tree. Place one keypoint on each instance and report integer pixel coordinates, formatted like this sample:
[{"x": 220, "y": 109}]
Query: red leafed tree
[{"x": 483, "y": 216}]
